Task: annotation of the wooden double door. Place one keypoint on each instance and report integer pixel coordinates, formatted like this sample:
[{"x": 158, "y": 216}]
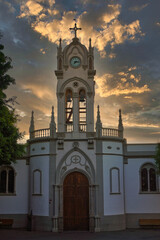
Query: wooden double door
[{"x": 76, "y": 202}]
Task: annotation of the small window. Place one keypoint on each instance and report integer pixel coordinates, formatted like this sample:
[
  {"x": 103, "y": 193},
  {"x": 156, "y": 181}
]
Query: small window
[
  {"x": 148, "y": 178},
  {"x": 7, "y": 180},
  {"x": 114, "y": 181}
]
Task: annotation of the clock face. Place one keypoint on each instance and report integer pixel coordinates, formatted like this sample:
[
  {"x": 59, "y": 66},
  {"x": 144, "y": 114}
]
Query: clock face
[{"x": 75, "y": 62}]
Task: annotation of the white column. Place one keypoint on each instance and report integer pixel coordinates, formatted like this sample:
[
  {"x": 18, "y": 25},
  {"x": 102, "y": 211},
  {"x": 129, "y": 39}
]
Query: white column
[
  {"x": 56, "y": 203},
  {"x": 90, "y": 113},
  {"x": 75, "y": 112},
  {"x": 61, "y": 114},
  {"x": 97, "y": 218}
]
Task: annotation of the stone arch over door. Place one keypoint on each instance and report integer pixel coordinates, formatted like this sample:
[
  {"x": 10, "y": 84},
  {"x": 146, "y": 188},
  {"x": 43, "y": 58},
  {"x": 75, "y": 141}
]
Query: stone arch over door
[{"x": 75, "y": 161}]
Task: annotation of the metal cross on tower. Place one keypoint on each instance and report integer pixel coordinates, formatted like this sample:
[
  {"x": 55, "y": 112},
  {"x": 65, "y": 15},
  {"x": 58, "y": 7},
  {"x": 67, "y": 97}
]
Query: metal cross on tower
[{"x": 75, "y": 30}]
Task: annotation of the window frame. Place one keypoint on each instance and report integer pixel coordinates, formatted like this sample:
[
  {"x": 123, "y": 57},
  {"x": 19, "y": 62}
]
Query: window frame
[
  {"x": 7, "y": 169},
  {"x": 148, "y": 166}
]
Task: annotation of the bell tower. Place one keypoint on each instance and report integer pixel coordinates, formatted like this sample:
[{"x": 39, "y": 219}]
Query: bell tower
[{"x": 75, "y": 87}]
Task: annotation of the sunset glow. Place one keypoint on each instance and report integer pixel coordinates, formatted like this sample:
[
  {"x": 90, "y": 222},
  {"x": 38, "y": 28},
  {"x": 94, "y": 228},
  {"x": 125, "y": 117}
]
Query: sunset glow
[{"x": 125, "y": 35}]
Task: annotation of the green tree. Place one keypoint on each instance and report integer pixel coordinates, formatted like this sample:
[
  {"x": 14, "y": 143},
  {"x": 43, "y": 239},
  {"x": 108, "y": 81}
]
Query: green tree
[
  {"x": 157, "y": 158},
  {"x": 10, "y": 149}
]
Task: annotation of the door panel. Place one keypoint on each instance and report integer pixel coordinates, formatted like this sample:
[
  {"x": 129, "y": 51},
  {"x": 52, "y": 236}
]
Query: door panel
[{"x": 76, "y": 202}]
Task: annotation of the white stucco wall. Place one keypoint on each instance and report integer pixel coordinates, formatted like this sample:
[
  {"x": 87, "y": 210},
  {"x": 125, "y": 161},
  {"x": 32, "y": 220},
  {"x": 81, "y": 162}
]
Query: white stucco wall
[
  {"x": 140, "y": 147},
  {"x": 39, "y": 148},
  {"x": 110, "y": 147},
  {"x": 137, "y": 202},
  {"x": 113, "y": 203},
  {"x": 40, "y": 204},
  {"x": 17, "y": 204}
]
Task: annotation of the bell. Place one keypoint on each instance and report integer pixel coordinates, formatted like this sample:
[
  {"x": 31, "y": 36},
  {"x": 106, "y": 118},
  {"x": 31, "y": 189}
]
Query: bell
[
  {"x": 82, "y": 98},
  {"x": 68, "y": 98}
]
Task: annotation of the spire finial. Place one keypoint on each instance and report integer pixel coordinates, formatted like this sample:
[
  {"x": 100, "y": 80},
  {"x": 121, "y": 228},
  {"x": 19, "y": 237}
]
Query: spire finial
[
  {"x": 60, "y": 42},
  {"x": 31, "y": 128},
  {"x": 98, "y": 124},
  {"x": 98, "y": 115},
  {"x": 120, "y": 125},
  {"x": 52, "y": 124},
  {"x": 52, "y": 114},
  {"x": 75, "y": 29},
  {"x": 32, "y": 118},
  {"x": 90, "y": 43}
]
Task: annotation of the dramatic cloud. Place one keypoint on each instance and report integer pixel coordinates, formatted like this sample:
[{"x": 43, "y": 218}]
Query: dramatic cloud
[
  {"x": 104, "y": 28},
  {"x": 125, "y": 33},
  {"x": 121, "y": 83},
  {"x": 139, "y": 8},
  {"x": 158, "y": 24},
  {"x": 42, "y": 92}
]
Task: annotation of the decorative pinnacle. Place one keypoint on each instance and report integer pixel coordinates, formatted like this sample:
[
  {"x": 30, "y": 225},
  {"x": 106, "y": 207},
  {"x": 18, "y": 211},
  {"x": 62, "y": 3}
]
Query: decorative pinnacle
[
  {"x": 52, "y": 115},
  {"x": 52, "y": 124},
  {"x": 60, "y": 42},
  {"x": 31, "y": 129},
  {"x": 75, "y": 29},
  {"x": 90, "y": 43},
  {"x": 120, "y": 125},
  {"x": 98, "y": 115},
  {"x": 32, "y": 117}
]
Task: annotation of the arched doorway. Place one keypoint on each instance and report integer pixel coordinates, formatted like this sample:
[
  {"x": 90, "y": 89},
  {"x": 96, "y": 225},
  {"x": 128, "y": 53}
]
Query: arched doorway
[{"x": 76, "y": 202}]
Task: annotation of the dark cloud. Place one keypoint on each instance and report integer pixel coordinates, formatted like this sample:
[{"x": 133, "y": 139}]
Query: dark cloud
[{"x": 34, "y": 62}]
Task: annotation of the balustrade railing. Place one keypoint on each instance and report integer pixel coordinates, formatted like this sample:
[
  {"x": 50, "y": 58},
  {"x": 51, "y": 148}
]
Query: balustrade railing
[
  {"x": 69, "y": 127},
  {"x": 106, "y": 132},
  {"x": 41, "y": 133},
  {"x": 110, "y": 132},
  {"x": 82, "y": 127}
]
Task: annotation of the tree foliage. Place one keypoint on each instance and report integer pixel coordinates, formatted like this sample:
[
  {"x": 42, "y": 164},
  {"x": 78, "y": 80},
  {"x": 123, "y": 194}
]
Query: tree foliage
[
  {"x": 10, "y": 150},
  {"x": 157, "y": 158}
]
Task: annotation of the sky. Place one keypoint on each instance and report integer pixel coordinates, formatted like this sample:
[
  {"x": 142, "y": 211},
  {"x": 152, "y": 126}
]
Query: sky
[{"x": 125, "y": 35}]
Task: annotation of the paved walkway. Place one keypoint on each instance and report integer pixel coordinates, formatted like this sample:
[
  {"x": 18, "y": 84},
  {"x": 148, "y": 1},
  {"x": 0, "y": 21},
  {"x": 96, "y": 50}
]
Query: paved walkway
[{"x": 120, "y": 235}]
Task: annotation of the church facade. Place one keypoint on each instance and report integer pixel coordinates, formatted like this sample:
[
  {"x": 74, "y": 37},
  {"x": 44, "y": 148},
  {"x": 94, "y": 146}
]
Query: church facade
[{"x": 79, "y": 175}]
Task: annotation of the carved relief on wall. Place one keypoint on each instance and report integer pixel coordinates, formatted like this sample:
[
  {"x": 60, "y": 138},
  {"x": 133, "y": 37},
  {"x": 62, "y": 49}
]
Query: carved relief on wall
[{"x": 77, "y": 162}]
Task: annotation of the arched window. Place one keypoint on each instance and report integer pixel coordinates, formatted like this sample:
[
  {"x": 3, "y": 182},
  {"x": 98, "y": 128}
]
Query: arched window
[
  {"x": 148, "y": 178},
  {"x": 69, "y": 110},
  {"x": 82, "y": 110},
  {"x": 37, "y": 182},
  {"x": 7, "y": 180},
  {"x": 114, "y": 180}
]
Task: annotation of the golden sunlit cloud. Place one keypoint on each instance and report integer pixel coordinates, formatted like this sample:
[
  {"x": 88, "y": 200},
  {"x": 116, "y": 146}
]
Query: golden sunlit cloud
[
  {"x": 44, "y": 110},
  {"x": 42, "y": 92},
  {"x": 104, "y": 30},
  {"x": 158, "y": 24},
  {"x": 112, "y": 55},
  {"x": 128, "y": 97},
  {"x": 20, "y": 113},
  {"x": 139, "y": 8},
  {"x": 42, "y": 51},
  {"x": 105, "y": 89},
  {"x": 132, "y": 68},
  {"x": 140, "y": 125}
]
